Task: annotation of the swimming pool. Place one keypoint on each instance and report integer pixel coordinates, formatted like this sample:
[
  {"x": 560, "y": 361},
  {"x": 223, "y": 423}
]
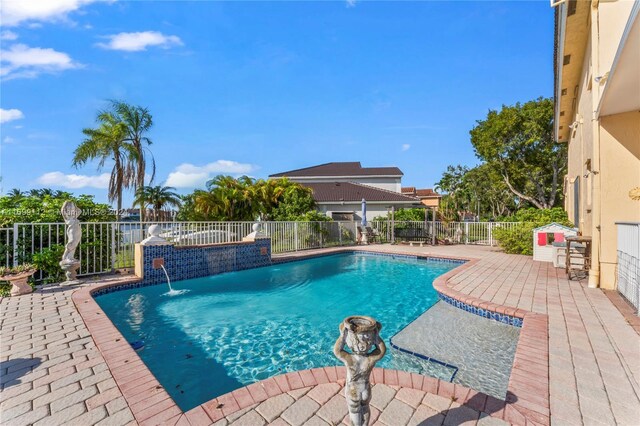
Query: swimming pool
[{"x": 236, "y": 328}]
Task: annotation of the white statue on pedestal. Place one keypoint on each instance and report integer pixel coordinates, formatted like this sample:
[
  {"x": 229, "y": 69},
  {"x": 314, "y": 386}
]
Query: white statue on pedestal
[
  {"x": 154, "y": 238},
  {"x": 359, "y": 334},
  {"x": 256, "y": 234},
  {"x": 70, "y": 213}
]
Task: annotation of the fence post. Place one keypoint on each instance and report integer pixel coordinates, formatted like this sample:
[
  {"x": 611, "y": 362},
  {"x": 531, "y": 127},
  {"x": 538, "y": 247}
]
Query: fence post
[
  {"x": 295, "y": 236},
  {"x": 466, "y": 232},
  {"x": 340, "y": 233},
  {"x": 490, "y": 234},
  {"x": 15, "y": 244},
  {"x": 114, "y": 227},
  {"x": 393, "y": 225}
]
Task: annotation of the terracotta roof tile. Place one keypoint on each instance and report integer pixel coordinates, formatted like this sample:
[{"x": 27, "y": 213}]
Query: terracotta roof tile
[{"x": 426, "y": 193}]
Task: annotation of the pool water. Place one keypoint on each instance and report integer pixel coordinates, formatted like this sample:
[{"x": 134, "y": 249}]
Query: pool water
[{"x": 233, "y": 329}]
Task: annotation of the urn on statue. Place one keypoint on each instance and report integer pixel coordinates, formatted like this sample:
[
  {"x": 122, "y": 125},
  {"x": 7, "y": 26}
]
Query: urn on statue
[
  {"x": 69, "y": 264},
  {"x": 360, "y": 335}
]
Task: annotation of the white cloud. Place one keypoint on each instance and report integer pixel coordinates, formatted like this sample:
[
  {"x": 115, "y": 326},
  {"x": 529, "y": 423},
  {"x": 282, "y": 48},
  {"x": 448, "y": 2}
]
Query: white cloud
[
  {"x": 15, "y": 12},
  {"x": 22, "y": 61},
  {"x": 8, "y": 35},
  {"x": 74, "y": 181},
  {"x": 136, "y": 42},
  {"x": 8, "y": 140},
  {"x": 405, "y": 147},
  {"x": 7, "y": 115},
  {"x": 190, "y": 176},
  {"x": 351, "y": 3}
]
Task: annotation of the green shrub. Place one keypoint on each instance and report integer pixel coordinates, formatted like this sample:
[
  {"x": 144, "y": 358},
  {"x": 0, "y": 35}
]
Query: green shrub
[
  {"x": 519, "y": 239},
  {"x": 48, "y": 261}
]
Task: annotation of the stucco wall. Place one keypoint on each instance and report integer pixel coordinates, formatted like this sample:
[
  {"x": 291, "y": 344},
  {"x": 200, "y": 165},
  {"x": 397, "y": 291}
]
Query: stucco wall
[
  {"x": 580, "y": 150},
  {"x": 619, "y": 167},
  {"x": 620, "y": 172},
  {"x": 390, "y": 184},
  {"x": 613, "y": 16},
  {"x": 373, "y": 210}
]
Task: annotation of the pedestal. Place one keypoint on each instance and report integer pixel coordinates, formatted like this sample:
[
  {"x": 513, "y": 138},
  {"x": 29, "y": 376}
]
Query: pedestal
[{"x": 70, "y": 271}]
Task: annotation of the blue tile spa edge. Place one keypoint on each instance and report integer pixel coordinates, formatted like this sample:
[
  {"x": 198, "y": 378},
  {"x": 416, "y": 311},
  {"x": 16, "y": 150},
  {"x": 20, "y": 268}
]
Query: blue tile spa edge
[{"x": 485, "y": 313}]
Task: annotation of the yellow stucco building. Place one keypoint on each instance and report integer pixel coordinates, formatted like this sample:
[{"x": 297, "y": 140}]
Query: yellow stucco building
[{"x": 597, "y": 113}]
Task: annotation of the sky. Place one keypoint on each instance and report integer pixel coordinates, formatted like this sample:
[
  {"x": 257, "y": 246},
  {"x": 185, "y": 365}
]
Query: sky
[{"x": 258, "y": 88}]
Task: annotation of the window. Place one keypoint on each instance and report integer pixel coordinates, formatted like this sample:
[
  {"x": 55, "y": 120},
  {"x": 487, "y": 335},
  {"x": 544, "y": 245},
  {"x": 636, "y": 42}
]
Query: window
[{"x": 342, "y": 216}]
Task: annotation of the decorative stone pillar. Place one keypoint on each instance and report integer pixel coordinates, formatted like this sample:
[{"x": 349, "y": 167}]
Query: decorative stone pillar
[
  {"x": 360, "y": 334},
  {"x": 256, "y": 234},
  {"x": 153, "y": 239},
  {"x": 69, "y": 264}
]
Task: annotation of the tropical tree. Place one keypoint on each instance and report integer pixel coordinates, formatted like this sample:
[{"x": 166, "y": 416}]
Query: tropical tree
[
  {"x": 157, "y": 197},
  {"x": 46, "y": 209},
  {"x": 16, "y": 194},
  {"x": 227, "y": 198},
  {"x": 518, "y": 143},
  {"x": 107, "y": 142},
  {"x": 42, "y": 192},
  {"x": 295, "y": 203},
  {"x": 136, "y": 121},
  {"x": 486, "y": 192},
  {"x": 452, "y": 185}
]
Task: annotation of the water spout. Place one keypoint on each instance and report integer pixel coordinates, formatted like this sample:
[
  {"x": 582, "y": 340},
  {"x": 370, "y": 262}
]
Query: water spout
[{"x": 171, "y": 292}]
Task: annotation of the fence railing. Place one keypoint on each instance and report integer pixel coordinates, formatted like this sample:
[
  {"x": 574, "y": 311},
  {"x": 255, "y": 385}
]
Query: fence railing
[
  {"x": 480, "y": 233},
  {"x": 106, "y": 246},
  {"x": 628, "y": 269}
]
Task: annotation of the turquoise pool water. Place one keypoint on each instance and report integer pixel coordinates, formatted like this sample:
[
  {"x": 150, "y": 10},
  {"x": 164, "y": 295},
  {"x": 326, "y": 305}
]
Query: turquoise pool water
[{"x": 233, "y": 329}]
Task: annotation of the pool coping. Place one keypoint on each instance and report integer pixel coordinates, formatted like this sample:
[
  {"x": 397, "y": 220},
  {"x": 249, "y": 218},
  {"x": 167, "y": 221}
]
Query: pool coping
[{"x": 527, "y": 399}]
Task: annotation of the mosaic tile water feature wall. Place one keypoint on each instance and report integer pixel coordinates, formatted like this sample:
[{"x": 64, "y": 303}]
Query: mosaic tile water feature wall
[{"x": 183, "y": 263}]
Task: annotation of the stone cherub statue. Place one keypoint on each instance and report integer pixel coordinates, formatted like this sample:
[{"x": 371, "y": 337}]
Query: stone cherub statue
[
  {"x": 359, "y": 334},
  {"x": 70, "y": 213}
]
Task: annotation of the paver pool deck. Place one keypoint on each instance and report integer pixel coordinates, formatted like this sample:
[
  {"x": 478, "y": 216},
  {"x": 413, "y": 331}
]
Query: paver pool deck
[{"x": 58, "y": 367}]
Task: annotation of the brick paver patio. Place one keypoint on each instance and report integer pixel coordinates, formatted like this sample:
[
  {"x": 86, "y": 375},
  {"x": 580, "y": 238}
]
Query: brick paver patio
[{"x": 52, "y": 371}]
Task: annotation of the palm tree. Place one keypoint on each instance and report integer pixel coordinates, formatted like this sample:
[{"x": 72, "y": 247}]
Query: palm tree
[
  {"x": 41, "y": 193},
  {"x": 158, "y": 197},
  {"x": 16, "y": 194},
  {"x": 108, "y": 142},
  {"x": 137, "y": 121},
  {"x": 229, "y": 198}
]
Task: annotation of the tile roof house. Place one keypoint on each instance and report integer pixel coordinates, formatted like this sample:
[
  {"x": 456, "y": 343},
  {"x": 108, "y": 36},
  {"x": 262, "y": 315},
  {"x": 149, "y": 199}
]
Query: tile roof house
[
  {"x": 339, "y": 188},
  {"x": 427, "y": 196}
]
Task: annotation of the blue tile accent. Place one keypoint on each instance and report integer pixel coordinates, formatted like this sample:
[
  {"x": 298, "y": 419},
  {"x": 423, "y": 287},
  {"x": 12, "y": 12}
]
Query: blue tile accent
[
  {"x": 371, "y": 253},
  {"x": 505, "y": 319},
  {"x": 183, "y": 263},
  {"x": 427, "y": 358}
]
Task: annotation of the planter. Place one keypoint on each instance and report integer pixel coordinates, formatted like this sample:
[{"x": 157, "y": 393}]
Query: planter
[{"x": 19, "y": 283}]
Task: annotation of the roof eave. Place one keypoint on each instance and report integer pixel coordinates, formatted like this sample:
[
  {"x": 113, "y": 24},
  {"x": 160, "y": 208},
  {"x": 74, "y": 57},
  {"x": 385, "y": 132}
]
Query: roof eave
[
  {"x": 561, "y": 19},
  {"x": 338, "y": 177},
  {"x": 368, "y": 202}
]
